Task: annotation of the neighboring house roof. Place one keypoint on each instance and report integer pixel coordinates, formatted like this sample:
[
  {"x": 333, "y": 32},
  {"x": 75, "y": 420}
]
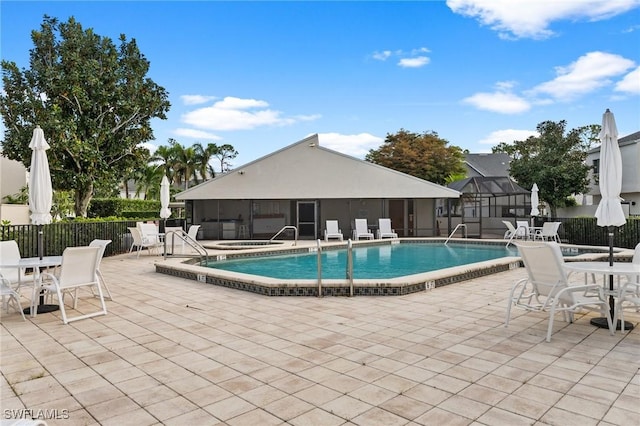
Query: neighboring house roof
[
  {"x": 623, "y": 141},
  {"x": 496, "y": 164},
  {"x": 305, "y": 170},
  {"x": 489, "y": 186}
]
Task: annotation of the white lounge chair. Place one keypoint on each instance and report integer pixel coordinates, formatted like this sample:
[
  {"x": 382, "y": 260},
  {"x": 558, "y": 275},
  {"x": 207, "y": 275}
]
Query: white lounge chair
[
  {"x": 78, "y": 269},
  {"x": 546, "y": 288},
  {"x": 332, "y": 231},
  {"x": 511, "y": 232},
  {"x": 149, "y": 232},
  {"x": 362, "y": 230},
  {"x": 549, "y": 232},
  {"x": 384, "y": 229}
]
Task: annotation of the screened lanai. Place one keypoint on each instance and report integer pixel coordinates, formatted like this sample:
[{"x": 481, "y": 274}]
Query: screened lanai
[{"x": 484, "y": 204}]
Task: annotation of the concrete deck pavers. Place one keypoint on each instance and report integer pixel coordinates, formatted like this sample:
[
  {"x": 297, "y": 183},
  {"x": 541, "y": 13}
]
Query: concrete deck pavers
[{"x": 180, "y": 352}]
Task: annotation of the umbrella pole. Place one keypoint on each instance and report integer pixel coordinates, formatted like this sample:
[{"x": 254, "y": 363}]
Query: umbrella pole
[
  {"x": 611, "y": 300},
  {"x": 602, "y": 322},
  {"x": 40, "y": 242}
]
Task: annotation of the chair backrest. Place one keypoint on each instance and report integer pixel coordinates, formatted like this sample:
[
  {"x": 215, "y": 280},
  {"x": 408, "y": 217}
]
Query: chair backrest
[
  {"x": 102, "y": 245},
  {"x": 361, "y": 226},
  {"x": 384, "y": 225},
  {"x": 509, "y": 226},
  {"x": 10, "y": 253},
  {"x": 135, "y": 233},
  {"x": 79, "y": 265},
  {"x": 522, "y": 227},
  {"x": 549, "y": 229},
  {"x": 149, "y": 232},
  {"x": 332, "y": 227},
  {"x": 193, "y": 231},
  {"x": 635, "y": 260},
  {"x": 544, "y": 264}
]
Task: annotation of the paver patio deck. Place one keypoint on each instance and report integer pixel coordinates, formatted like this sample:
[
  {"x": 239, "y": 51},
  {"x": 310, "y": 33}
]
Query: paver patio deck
[{"x": 178, "y": 352}]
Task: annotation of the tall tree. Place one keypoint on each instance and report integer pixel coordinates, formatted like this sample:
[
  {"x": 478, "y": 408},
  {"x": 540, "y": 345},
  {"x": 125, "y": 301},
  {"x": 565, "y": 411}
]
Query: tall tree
[
  {"x": 555, "y": 161},
  {"x": 225, "y": 153},
  {"x": 91, "y": 98},
  {"x": 425, "y": 155}
]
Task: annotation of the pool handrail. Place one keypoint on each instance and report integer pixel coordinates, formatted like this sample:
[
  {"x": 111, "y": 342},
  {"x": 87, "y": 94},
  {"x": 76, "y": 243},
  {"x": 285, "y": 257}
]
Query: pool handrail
[
  {"x": 460, "y": 225},
  {"x": 319, "y": 268},
  {"x": 202, "y": 252},
  {"x": 295, "y": 241},
  {"x": 350, "y": 266}
]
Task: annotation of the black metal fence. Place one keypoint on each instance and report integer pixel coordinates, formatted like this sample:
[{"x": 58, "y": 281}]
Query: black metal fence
[
  {"x": 585, "y": 231},
  {"x": 58, "y": 236}
]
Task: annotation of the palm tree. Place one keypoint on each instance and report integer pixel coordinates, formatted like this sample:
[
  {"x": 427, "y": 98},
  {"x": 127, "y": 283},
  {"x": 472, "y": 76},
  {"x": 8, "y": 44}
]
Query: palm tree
[{"x": 205, "y": 169}]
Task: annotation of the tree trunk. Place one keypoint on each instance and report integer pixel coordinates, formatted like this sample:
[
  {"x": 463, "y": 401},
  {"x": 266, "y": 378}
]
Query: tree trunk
[
  {"x": 554, "y": 211},
  {"x": 82, "y": 198}
]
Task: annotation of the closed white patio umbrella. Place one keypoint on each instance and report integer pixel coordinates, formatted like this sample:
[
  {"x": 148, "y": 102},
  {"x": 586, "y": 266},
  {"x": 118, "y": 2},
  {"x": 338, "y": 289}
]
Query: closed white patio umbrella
[
  {"x": 40, "y": 197},
  {"x": 609, "y": 212},
  {"x": 535, "y": 201},
  {"x": 40, "y": 189},
  {"x": 165, "y": 212}
]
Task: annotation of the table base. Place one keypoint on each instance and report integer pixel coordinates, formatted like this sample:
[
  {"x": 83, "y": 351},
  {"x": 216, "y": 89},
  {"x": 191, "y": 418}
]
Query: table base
[
  {"x": 602, "y": 323},
  {"x": 42, "y": 309}
]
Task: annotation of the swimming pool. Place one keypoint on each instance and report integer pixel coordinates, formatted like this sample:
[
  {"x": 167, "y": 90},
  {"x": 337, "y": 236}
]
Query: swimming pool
[
  {"x": 341, "y": 286},
  {"x": 369, "y": 262}
]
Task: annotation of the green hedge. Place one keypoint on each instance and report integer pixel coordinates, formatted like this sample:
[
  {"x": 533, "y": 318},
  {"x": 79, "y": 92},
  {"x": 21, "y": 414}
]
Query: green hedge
[{"x": 123, "y": 207}]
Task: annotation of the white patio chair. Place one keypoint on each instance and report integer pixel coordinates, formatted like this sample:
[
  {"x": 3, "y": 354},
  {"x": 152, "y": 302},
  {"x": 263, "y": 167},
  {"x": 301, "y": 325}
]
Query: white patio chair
[
  {"x": 522, "y": 229},
  {"x": 332, "y": 230},
  {"x": 628, "y": 293},
  {"x": 10, "y": 253},
  {"x": 78, "y": 270},
  {"x": 10, "y": 295},
  {"x": 384, "y": 229},
  {"x": 102, "y": 244},
  {"x": 546, "y": 288},
  {"x": 549, "y": 232},
  {"x": 362, "y": 230},
  {"x": 141, "y": 243},
  {"x": 149, "y": 232},
  {"x": 192, "y": 233}
]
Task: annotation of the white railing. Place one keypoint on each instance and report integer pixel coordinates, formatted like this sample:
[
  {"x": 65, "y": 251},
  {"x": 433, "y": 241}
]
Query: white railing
[
  {"x": 460, "y": 225},
  {"x": 284, "y": 228}
]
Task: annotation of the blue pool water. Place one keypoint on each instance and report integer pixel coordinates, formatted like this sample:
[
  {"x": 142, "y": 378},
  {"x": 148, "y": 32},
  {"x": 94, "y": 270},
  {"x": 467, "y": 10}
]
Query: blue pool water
[{"x": 370, "y": 262}]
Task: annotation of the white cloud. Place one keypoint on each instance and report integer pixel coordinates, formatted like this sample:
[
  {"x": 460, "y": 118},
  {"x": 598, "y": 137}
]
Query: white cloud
[
  {"x": 196, "y": 99},
  {"x": 382, "y": 56},
  {"x": 532, "y": 18},
  {"x": 502, "y": 100},
  {"x": 239, "y": 114},
  {"x": 414, "y": 59},
  {"x": 590, "y": 72},
  {"x": 196, "y": 134},
  {"x": 416, "y": 62},
  {"x": 508, "y": 136},
  {"x": 151, "y": 147},
  {"x": 354, "y": 145},
  {"x": 630, "y": 83}
]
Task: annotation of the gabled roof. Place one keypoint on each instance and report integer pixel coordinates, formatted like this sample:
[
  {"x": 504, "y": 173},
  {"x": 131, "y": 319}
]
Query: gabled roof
[
  {"x": 496, "y": 164},
  {"x": 305, "y": 170},
  {"x": 631, "y": 139}
]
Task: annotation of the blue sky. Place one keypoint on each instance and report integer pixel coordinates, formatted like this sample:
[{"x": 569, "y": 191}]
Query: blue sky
[{"x": 263, "y": 75}]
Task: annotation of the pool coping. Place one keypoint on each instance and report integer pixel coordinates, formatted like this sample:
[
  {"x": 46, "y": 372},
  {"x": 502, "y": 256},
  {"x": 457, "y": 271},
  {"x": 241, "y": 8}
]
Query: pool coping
[{"x": 361, "y": 287}]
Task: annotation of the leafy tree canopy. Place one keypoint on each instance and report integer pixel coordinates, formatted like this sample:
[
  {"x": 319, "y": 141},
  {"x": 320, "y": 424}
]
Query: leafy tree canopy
[
  {"x": 555, "y": 161},
  {"x": 425, "y": 155},
  {"x": 91, "y": 98}
]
